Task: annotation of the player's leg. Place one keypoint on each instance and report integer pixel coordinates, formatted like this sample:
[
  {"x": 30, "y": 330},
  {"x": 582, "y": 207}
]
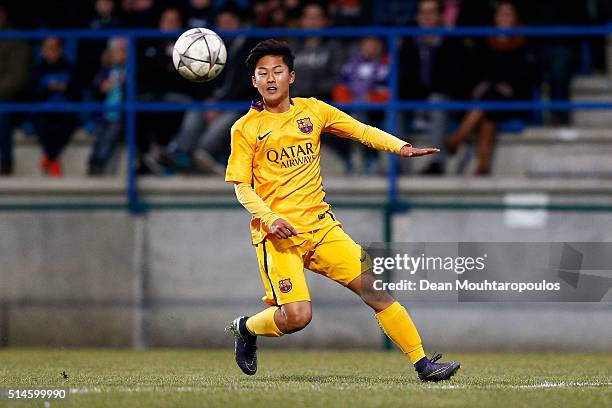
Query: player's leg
[
  {"x": 391, "y": 315},
  {"x": 275, "y": 321},
  {"x": 338, "y": 257},
  {"x": 398, "y": 326},
  {"x": 281, "y": 266},
  {"x": 341, "y": 259},
  {"x": 282, "y": 271}
]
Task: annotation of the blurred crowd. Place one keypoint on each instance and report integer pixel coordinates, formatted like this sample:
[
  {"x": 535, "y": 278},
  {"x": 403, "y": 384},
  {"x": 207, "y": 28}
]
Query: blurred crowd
[{"x": 432, "y": 68}]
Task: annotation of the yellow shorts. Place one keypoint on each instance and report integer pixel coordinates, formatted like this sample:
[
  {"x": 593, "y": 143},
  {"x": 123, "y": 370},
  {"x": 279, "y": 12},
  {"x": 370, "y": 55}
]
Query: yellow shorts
[{"x": 328, "y": 251}]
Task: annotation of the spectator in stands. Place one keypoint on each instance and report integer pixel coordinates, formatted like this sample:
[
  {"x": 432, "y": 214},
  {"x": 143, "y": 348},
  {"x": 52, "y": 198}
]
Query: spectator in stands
[
  {"x": 90, "y": 50},
  {"x": 506, "y": 77},
  {"x": 558, "y": 56},
  {"x": 365, "y": 78},
  {"x": 276, "y": 14},
  {"x": 350, "y": 13},
  {"x": 319, "y": 62},
  {"x": 259, "y": 12},
  {"x": 450, "y": 12},
  {"x": 53, "y": 81},
  {"x": 234, "y": 84},
  {"x": 433, "y": 68},
  {"x": 598, "y": 13},
  {"x": 110, "y": 87},
  {"x": 50, "y": 14},
  {"x": 293, "y": 11},
  {"x": 199, "y": 13},
  {"x": 105, "y": 15},
  {"x": 278, "y": 17},
  {"x": 157, "y": 81},
  {"x": 318, "y": 59},
  {"x": 469, "y": 12},
  {"x": 14, "y": 63},
  {"x": 140, "y": 13},
  {"x": 393, "y": 12},
  {"x": 203, "y": 139}
]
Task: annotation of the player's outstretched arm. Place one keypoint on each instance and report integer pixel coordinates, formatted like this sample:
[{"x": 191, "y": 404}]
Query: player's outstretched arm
[
  {"x": 408, "y": 151},
  {"x": 344, "y": 125},
  {"x": 258, "y": 208}
]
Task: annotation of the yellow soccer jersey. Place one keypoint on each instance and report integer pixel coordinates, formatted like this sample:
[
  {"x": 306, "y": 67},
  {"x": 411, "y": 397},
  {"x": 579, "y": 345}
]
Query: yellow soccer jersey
[{"x": 279, "y": 154}]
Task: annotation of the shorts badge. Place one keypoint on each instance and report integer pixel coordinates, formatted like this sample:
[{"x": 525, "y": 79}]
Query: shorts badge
[
  {"x": 305, "y": 125},
  {"x": 285, "y": 285}
]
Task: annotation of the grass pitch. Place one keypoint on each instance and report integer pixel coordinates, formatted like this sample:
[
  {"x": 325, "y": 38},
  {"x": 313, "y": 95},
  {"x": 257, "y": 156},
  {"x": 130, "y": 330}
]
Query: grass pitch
[{"x": 204, "y": 378}]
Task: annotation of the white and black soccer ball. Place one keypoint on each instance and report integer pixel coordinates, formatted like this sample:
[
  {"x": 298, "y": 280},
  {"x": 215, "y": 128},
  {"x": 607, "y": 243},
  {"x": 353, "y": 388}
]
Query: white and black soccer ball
[{"x": 199, "y": 55}]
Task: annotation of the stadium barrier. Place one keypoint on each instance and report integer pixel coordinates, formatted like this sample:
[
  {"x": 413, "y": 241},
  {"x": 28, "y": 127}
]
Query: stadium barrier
[{"x": 392, "y": 107}]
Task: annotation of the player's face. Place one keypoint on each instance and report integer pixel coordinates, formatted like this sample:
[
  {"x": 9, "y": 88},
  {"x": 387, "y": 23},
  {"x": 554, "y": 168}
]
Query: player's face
[{"x": 272, "y": 79}]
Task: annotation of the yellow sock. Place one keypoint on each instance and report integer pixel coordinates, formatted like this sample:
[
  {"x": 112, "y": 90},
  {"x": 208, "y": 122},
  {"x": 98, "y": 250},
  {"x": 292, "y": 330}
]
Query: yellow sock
[
  {"x": 262, "y": 324},
  {"x": 398, "y": 325}
]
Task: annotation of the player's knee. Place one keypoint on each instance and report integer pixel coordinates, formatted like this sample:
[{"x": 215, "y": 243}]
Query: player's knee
[{"x": 297, "y": 321}]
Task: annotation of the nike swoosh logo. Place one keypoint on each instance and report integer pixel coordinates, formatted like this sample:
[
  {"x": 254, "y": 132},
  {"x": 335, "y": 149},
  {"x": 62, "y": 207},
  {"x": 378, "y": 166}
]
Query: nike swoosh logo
[{"x": 262, "y": 137}]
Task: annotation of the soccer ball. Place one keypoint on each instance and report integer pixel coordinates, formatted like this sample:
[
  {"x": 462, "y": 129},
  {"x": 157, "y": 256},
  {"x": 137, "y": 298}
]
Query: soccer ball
[{"x": 199, "y": 55}]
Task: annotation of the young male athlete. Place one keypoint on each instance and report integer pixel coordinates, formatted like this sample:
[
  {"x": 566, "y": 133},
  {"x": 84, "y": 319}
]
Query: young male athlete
[{"x": 275, "y": 166}]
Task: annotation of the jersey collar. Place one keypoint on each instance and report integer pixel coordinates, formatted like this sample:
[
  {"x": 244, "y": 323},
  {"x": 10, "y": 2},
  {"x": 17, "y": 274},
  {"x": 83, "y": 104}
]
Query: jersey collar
[{"x": 259, "y": 105}]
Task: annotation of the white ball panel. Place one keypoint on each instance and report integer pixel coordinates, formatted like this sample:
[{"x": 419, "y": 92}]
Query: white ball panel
[
  {"x": 186, "y": 39},
  {"x": 187, "y": 74},
  {"x": 214, "y": 44},
  {"x": 222, "y": 55},
  {"x": 198, "y": 50},
  {"x": 176, "y": 57},
  {"x": 215, "y": 71},
  {"x": 200, "y": 69}
]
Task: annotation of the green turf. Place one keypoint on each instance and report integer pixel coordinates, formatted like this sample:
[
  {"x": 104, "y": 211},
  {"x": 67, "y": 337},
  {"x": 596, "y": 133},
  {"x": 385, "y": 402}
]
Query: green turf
[{"x": 201, "y": 378}]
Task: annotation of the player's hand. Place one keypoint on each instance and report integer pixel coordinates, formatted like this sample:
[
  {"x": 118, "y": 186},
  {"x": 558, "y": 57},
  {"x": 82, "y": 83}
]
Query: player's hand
[
  {"x": 409, "y": 151},
  {"x": 282, "y": 229}
]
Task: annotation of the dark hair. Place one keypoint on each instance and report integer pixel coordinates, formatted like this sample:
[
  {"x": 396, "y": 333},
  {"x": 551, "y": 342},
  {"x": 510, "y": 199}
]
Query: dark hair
[
  {"x": 270, "y": 47},
  {"x": 232, "y": 7},
  {"x": 507, "y": 3}
]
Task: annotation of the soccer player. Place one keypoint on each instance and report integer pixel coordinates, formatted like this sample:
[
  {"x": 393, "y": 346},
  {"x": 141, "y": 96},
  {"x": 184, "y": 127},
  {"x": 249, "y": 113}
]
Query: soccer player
[{"x": 275, "y": 167}]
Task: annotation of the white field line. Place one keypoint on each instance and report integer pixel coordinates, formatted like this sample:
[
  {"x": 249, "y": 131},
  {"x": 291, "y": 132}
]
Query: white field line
[
  {"x": 98, "y": 390},
  {"x": 544, "y": 385},
  {"x": 562, "y": 384}
]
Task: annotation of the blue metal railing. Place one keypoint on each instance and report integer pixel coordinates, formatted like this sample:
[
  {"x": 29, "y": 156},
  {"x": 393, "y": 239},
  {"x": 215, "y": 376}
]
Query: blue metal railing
[{"x": 392, "y": 107}]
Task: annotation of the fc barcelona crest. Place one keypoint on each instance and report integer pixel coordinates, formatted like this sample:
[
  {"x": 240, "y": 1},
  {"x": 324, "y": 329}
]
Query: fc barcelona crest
[
  {"x": 285, "y": 285},
  {"x": 305, "y": 125}
]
